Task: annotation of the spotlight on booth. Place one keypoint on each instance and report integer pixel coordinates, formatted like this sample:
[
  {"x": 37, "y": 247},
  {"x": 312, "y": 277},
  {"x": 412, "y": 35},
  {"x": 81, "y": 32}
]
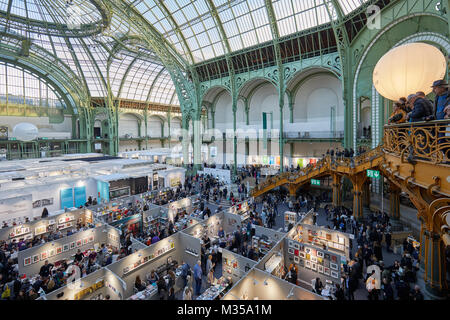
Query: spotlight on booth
[{"x": 407, "y": 69}]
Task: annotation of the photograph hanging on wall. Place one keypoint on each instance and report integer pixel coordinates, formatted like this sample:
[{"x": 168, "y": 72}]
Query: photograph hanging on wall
[
  {"x": 302, "y": 255},
  {"x": 27, "y": 261},
  {"x": 291, "y": 244},
  {"x": 51, "y": 252},
  {"x": 334, "y": 274},
  {"x": 44, "y": 255},
  {"x": 313, "y": 259},
  {"x": 308, "y": 264},
  {"x": 72, "y": 245},
  {"x": 85, "y": 241},
  {"x": 320, "y": 268},
  {"x": 51, "y": 221},
  {"x": 320, "y": 254},
  {"x": 296, "y": 259},
  {"x": 36, "y": 258},
  {"x": 334, "y": 266},
  {"x": 302, "y": 263},
  {"x": 296, "y": 246},
  {"x": 290, "y": 250},
  {"x": 326, "y": 271},
  {"x": 66, "y": 247},
  {"x": 313, "y": 266},
  {"x": 91, "y": 239},
  {"x": 58, "y": 250},
  {"x": 79, "y": 243},
  {"x": 40, "y": 230}
]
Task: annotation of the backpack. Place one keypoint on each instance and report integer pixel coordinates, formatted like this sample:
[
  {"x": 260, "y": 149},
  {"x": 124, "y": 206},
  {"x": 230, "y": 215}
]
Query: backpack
[{"x": 6, "y": 293}]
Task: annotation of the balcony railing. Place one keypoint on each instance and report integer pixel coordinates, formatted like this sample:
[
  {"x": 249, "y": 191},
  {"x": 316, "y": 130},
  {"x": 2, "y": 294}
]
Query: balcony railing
[
  {"x": 314, "y": 135},
  {"x": 428, "y": 141}
]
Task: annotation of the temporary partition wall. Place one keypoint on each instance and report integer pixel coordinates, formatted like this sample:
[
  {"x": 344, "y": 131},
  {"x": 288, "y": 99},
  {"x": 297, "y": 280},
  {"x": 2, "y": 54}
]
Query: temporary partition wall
[
  {"x": 185, "y": 204},
  {"x": 259, "y": 285},
  {"x": 229, "y": 222},
  {"x": 63, "y": 222},
  {"x": 269, "y": 233},
  {"x": 308, "y": 217},
  {"x": 31, "y": 260},
  {"x": 313, "y": 260},
  {"x": 334, "y": 241},
  {"x": 235, "y": 265},
  {"x": 143, "y": 261},
  {"x": 101, "y": 282}
]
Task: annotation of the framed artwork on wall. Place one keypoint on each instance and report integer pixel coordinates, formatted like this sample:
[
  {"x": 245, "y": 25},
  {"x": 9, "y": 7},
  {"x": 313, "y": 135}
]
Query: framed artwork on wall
[
  {"x": 334, "y": 266},
  {"x": 296, "y": 246},
  {"x": 61, "y": 220},
  {"x": 302, "y": 263},
  {"x": 320, "y": 254},
  {"x": 72, "y": 245},
  {"x": 308, "y": 256},
  {"x": 91, "y": 238},
  {"x": 308, "y": 264},
  {"x": 334, "y": 274},
  {"x": 326, "y": 271},
  {"x": 320, "y": 268},
  {"x": 327, "y": 256},
  {"x": 296, "y": 259},
  {"x": 296, "y": 252},
  {"x": 66, "y": 247},
  {"x": 334, "y": 259},
  {"x": 85, "y": 241},
  {"x": 313, "y": 259},
  {"x": 51, "y": 252},
  {"x": 320, "y": 261},
  {"x": 27, "y": 261},
  {"x": 291, "y": 244},
  {"x": 302, "y": 255},
  {"x": 313, "y": 266},
  {"x": 79, "y": 243},
  {"x": 51, "y": 221},
  {"x": 290, "y": 251},
  {"x": 44, "y": 255},
  {"x": 326, "y": 263},
  {"x": 308, "y": 250},
  {"x": 35, "y": 258},
  {"x": 58, "y": 250}
]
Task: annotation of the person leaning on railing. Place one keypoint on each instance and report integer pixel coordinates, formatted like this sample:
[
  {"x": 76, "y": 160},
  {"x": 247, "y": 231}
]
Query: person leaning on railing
[{"x": 399, "y": 114}]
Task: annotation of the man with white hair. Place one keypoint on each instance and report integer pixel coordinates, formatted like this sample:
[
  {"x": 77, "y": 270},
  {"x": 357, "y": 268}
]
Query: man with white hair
[{"x": 419, "y": 110}]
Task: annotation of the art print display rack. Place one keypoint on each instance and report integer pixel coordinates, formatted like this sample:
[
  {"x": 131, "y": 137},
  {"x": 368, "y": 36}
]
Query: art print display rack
[
  {"x": 289, "y": 218},
  {"x": 275, "y": 265}
]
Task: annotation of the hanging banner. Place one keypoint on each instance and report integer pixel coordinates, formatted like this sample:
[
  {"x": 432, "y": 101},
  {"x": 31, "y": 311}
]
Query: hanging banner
[
  {"x": 265, "y": 160},
  {"x": 80, "y": 196},
  {"x": 272, "y": 160},
  {"x": 277, "y": 160},
  {"x": 66, "y": 196},
  {"x": 103, "y": 191}
]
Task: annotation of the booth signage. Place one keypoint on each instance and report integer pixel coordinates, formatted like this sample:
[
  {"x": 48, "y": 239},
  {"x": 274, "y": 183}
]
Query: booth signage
[
  {"x": 315, "y": 182},
  {"x": 373, "y": 174}
]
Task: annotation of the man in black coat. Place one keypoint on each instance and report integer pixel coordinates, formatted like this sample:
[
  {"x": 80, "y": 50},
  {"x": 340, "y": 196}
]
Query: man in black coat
[{"x": 419, "y": 111}]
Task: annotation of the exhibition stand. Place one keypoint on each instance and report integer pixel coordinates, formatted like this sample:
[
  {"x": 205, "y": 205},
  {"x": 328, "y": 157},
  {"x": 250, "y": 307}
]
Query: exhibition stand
[
  {"x": 31, "y": 260},
  {"x": 242, "y": 209},
  {"x": 259, "y": 285},
  {"x": 95, "y": 286},
  {"x": 42, "y": 227},
  {"x": 161, "y": 256}
]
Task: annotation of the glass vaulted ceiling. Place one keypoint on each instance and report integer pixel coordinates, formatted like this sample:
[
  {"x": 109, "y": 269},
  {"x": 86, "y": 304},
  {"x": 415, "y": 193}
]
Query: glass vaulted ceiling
[
  {"x": 133, "y": 73},
  {"x": 190, "y": 25}
]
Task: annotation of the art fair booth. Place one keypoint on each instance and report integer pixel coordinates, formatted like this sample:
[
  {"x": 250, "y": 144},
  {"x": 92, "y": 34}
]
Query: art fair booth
[
  {"x": 64, "y": 249},
  {"x": 259, "y": 285},
  {"x": 95, "y": 286},
  {"x": 162, "y": 256}
]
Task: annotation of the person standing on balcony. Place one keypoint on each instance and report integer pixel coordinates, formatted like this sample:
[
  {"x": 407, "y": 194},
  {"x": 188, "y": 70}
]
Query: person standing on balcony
[
  {"x": 440, "y": 89},
  {"x": 419, "y": 110},
  {"x": 428, "y": 104},
  {"x": 399, "y": 114}
]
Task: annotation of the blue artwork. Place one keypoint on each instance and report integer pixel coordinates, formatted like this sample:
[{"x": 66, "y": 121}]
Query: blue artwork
[
  {"x": 66, "y": 196},
  {"x": 80, "y": 196},
  {"x": 103, "y": 191}
]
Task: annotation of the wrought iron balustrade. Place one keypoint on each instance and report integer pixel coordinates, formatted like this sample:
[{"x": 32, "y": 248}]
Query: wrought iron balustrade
[{"x": 426, "y": 141}]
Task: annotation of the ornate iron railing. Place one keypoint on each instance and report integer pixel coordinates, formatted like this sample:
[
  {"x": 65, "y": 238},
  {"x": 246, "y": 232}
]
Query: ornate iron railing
[{"x": 426, "y": 141}]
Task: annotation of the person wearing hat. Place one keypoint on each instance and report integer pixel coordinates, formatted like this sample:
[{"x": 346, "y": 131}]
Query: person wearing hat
[{"x": 440, "y": 89}]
